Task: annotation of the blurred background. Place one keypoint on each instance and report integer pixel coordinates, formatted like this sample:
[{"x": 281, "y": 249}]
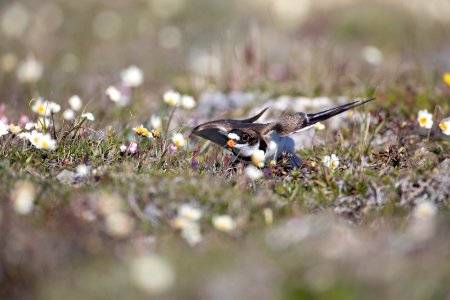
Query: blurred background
[
  {"x": 301, "y": 47},
  {"x": 217, "y": 50}
]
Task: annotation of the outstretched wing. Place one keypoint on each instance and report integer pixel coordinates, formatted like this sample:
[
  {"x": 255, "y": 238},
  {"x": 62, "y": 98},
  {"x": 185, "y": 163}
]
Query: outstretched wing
[
  {"x": 296, "y": 122},
  {"x": 216, "y": 131}
]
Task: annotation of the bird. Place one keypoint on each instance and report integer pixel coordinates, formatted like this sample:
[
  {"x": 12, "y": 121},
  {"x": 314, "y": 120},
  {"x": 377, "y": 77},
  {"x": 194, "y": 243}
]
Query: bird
[{"x": 244, "y": 137}]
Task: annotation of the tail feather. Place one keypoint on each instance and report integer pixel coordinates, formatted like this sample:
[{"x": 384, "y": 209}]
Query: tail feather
[{"x": 326, "y": 114}]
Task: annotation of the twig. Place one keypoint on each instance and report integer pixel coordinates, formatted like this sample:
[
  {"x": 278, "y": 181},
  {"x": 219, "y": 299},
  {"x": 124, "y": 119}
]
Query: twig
[
  {"x": 166, "y": 132},
  {"x": 54, "y": 127}
]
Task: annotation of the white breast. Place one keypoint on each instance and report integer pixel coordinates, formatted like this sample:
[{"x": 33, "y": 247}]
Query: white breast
[{"x": 277, "y": 145}]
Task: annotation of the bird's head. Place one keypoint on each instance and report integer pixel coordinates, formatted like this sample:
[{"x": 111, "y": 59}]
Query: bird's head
[{"x": 238, "y": 138}]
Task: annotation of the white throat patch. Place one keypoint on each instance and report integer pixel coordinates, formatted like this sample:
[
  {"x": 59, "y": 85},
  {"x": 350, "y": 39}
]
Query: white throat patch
[
  {"x": 233, "y": 136},
  {"x": 245, "y": 149}
]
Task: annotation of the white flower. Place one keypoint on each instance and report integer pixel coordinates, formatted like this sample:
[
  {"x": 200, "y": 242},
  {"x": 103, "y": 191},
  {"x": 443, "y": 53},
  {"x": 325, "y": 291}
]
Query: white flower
[
  {"x": 83, "y": 170},
  {"x": 133, "y": 148},
  {"x": 445, "y": 126},
  {"x": 224, "y": 223},
  {"x": 41, "y": 141},
  {"x": 253, "y": 173},
  {"x": 34, "y": 137},
  {"x": 24, "y": 135},
  {"x": 188, "y": 102},
  {"x": 331, "y": 162},
  {"x": 123, "y": 148},
  {"x": 258, "y": 158},
  {"x": 117, "y": 96},
  {"x": 40, "y": 107},
  {"x": 155, "y": 121},
  {"x": 119, "y": 224},
  {"x": 187, "y": 220},
  {"x": 68, "y": 114},
  {"x": 189, "y": 212},
  {"x": 4, "y": 129},
  {"x": 113, "y": 93},
  {"x": 46, "y": 142},
  {"x": 14, "y": 129},
  {"x": 190, "y": 232},
  {"x": 179, "y": 140},
  {"x": 319, "y": 126},
  {"x": 30, "y": 70},
  {"x": 31, "y": 125},
  {"x": 172, "y": 98},
  {"x": 75, "y": 102},
  {"x": 152, "y": 274},
  {"x": 372, "y": 55},
  {"x": 132, "y": 76},
  {"x": 425, "y": 119},
  {"x": 53, "y": 107},
  {"x": 23, "y": 197},
  {"x": 88, "y": 116},
  {"x": 425, "y": 210},
  {"x": 44, "y": 107}
]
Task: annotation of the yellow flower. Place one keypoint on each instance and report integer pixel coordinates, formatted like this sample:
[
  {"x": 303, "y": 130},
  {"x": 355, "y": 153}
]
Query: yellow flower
[
  {"x": 156, "y": 133},
  {"x": 141, "y": 130},
  {"x": 446, "y": 78}
]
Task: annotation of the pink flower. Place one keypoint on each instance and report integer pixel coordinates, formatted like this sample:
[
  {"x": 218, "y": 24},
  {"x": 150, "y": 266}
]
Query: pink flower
[
  {"x": 173, "y": 148},
  {"x": 24, "y": 120},
  {"x": 133, "y": 147},
  {"x": 3, "y": 118},
  {"x": 123, "y": 148}
]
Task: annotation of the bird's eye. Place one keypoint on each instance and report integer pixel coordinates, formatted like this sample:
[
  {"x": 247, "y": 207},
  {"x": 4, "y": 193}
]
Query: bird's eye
[{"x": 245, "y": 137}]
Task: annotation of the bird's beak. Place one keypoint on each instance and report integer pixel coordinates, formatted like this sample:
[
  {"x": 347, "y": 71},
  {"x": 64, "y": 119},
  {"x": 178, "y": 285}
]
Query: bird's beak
[{"x": 231, "y": 143}]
